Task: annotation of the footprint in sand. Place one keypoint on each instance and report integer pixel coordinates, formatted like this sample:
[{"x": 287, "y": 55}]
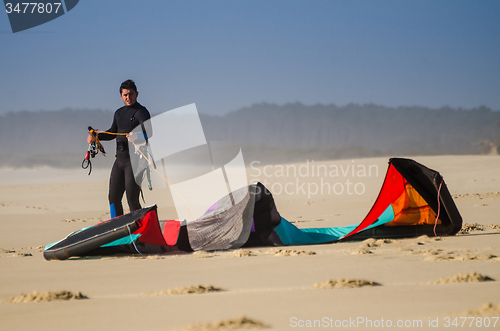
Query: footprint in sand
[
  {"x": 305, "y": 221},
  {"x": 424, "y": 240},
  {"x": 467, "y": 228},
  {"x": 228, "y": 324},
  {"x": 34, "y": 247},
  {"x": 403, "y": 249},
  {"x": 428, "y": 252},
  {"x": 22, "y": 255},
  {"x": 472, "y": 277},
  {"x": 93, "y": 220},
  {"x": 289, "y": 252},
  {"x": 344, "y": 283},
  {"x": 195, "y": 289},
  {"x": 244, "y": 253},
  {"x": 139, "y": 257},
  {"x": 488, "y": 309},
  {"x": 203, "y": 254},
  {"x": 362, "y": 251},
  {"x": 478, "y": 196},
  {"x": 37, "y": 207},
  {"x": 458, "y": 256},
  {"x": 47, "y": 296},
  {"x": 371, "y": 242},
  {"x": 71, "y": 220}
]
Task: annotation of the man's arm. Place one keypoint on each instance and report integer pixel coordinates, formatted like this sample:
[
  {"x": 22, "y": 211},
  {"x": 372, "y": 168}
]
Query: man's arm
[
  {"x": 144, "y": 131},
  {"x": 112, "y": 129}
]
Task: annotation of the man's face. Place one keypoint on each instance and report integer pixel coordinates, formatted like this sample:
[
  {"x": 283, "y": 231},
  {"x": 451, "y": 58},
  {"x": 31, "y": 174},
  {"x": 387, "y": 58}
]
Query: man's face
[{"x": 129, "y": 97}]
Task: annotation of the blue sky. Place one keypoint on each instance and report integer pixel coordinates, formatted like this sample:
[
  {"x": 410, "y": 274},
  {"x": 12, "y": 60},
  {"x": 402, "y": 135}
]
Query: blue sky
[{"x": 223, "y": 55}]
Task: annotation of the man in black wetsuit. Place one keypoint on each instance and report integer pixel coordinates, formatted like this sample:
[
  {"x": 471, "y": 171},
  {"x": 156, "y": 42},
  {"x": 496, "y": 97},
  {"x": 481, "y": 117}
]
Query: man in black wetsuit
[{"x": 126, "y": 119}]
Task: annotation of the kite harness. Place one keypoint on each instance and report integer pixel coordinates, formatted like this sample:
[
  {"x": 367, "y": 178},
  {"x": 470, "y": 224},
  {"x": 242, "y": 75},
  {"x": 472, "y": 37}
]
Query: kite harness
[{"x": 94, "y": 149}]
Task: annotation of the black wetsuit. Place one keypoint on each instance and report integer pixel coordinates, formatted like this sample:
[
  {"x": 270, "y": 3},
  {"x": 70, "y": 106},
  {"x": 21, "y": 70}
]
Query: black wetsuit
[{"x": 122, "y": 179}]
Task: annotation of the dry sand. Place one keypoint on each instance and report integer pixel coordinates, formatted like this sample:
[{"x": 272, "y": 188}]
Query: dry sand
[{"x": 271, "y": 288}]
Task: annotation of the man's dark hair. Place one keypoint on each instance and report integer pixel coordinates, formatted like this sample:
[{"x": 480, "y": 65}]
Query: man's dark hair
[{"x": 128, "y": 85}]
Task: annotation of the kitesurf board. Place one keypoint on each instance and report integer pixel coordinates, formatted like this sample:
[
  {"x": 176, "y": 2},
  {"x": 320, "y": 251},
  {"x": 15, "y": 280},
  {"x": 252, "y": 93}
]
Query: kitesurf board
[{"x": 94, "y": 237}]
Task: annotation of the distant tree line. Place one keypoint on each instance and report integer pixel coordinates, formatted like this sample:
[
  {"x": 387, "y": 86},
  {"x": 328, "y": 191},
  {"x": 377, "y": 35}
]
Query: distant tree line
[
  {"x": 402, "y": 130},
  {"x": 278, "y": 132}
]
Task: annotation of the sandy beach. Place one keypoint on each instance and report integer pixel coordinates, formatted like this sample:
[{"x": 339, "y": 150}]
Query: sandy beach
[{"x": 416, "y": 283}]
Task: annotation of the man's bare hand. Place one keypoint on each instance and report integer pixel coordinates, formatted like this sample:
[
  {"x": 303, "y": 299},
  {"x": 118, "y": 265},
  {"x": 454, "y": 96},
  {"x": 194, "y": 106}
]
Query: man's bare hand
[
  {"x": 90, "y": 139},
  {"x": 131, "y": 136}
]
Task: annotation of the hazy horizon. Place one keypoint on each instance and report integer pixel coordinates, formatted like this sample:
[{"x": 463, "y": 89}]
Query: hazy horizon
[
  {"x": 256, "y": 104},
  {"x": 273, "y": 133}
]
